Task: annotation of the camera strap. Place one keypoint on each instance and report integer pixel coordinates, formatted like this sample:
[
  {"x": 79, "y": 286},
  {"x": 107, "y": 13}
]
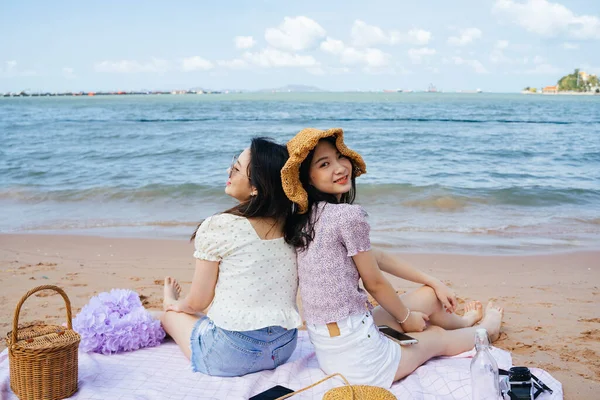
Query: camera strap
[{"x": 537, "y": 384}]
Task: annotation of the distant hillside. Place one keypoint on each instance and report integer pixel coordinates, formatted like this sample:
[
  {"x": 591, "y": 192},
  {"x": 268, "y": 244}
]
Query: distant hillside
[{"x": 295, "y": 89}]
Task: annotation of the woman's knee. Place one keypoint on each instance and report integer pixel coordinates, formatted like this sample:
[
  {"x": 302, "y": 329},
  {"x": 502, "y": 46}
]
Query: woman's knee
[
  {"x": 435, "y": 333},
  {"x": 425, "y": 300}
]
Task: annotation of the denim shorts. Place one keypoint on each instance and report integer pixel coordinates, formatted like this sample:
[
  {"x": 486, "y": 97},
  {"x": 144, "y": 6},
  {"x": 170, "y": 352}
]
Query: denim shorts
[{"x": 219, "y": 352}]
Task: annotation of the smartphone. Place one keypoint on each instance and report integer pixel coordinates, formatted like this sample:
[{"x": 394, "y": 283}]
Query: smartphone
[
  {"x": 272, "y": 393},
  {"x": 398, "y": 336}
]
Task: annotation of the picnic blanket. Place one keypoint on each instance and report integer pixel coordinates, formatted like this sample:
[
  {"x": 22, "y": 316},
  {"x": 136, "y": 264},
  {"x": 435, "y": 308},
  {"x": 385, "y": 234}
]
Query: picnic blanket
[{"x": 164, "y": 373}]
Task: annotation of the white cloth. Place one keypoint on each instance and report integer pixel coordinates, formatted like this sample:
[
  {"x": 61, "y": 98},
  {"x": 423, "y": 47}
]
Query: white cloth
[
  {"x": 361, "y": 353},
  {"x": 258, "y": 279},
  {"x": 163, "y": 372}
]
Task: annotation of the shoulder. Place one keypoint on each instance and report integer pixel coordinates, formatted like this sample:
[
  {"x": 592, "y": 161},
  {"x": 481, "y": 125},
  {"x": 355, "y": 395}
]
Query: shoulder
[
  {"x": 350, "y": 223},
  {"x": 344, "y": 212},
  {"x": 222, "y": 222}
]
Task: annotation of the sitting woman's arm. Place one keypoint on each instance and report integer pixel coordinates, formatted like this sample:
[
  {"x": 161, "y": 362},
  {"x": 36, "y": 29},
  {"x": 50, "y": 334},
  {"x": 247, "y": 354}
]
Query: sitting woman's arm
[
  {"x": 379, "y": 287},
  {"x": 202, "y": 291},
  {"x": 394, "y": 266}
]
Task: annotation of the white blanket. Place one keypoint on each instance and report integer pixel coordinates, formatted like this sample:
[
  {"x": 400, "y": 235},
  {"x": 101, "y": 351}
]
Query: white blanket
[{"x": 164, "y": 373}]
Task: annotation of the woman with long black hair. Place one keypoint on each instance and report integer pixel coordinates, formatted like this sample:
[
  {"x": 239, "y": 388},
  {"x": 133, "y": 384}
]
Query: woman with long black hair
[{"x": 245, "y": 276}]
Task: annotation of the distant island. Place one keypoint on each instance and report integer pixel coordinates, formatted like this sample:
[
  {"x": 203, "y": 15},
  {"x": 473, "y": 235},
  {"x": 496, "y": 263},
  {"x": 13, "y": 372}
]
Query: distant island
[
  {"x": 294, "y": 89},
  {"x": 24, "y": 93},
  {"x": 579, "y": 82},
  {"x": 195, "y": 90}
]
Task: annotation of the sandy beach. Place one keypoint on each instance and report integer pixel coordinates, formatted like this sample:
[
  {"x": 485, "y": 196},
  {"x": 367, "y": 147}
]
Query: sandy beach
[{"x": 551, "y": 317}]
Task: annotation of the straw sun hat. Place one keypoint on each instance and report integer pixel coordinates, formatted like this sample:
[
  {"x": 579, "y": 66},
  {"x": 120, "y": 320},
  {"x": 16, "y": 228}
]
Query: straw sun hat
[{"x": 298, "y": 148}]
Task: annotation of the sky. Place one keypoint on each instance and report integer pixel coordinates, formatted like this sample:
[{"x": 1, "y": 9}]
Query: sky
[{"x": 493, "y": 45}]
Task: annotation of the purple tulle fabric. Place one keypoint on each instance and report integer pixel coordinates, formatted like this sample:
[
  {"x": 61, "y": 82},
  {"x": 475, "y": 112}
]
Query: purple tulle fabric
[{"x": 116, "y": 321}]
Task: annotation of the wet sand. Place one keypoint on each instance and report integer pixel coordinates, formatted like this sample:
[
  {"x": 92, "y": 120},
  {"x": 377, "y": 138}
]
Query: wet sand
[{"x": 551, "y": 301}]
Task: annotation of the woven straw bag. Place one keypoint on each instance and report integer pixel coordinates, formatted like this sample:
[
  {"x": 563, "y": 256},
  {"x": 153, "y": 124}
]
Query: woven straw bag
[
  {"x": 349, "y": 392},
  {"x": 43, "y": 358}
]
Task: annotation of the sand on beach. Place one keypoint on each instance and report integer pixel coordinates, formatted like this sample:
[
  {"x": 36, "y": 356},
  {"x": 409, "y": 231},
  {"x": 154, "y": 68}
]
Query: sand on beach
[{"x": 551, "y": 301}]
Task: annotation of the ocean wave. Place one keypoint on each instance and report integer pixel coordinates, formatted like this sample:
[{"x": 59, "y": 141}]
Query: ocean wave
[
  {"x": 303, "y": 119},
  {"x": 508, "y": 229},
  {"x": 455, "y": 198},
  {"x": 447, "y": 203},
  {"x": 143, "y": 194},
  {"x": 438, "y": 197},
  {"x": 107, "y": 224},
  {"x": 591, "y": 221}
]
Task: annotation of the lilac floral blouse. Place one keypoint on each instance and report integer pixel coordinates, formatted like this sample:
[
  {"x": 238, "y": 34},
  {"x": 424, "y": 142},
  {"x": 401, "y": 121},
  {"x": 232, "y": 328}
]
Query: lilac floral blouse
[{"x": 327, "y": 274}]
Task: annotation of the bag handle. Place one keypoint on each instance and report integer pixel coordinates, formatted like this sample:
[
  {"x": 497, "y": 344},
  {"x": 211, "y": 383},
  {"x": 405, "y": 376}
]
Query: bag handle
[
  {"x": 32, "y": 291},
  {"x": 316, "y": 383}
]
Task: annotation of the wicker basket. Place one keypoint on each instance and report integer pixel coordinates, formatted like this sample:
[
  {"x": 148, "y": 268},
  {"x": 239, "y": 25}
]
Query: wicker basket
[
  {"x": 43, "y": 358},
  {"x": 348, "y": 392}
]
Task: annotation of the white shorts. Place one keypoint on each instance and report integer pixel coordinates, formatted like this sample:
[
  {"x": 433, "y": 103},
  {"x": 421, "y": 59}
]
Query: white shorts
[{"x": 361, "y": 353}]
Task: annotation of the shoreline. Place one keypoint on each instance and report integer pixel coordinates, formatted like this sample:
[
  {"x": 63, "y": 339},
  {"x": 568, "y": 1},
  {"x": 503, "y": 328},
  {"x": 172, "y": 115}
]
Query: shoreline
[
  {"x": 550, "y": 300},
  {"x": 460, "y": 243},
  {"x": 563, "y": 93}
]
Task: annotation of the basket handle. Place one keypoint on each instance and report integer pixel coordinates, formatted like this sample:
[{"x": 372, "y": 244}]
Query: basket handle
[
  {"x": 32, "y": 291},
  {"x": 316, "y": 383}
]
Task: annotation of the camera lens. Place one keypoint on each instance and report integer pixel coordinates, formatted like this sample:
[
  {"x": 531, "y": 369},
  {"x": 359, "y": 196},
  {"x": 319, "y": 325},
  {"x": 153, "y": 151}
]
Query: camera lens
[{"x": 519, "y": 374}]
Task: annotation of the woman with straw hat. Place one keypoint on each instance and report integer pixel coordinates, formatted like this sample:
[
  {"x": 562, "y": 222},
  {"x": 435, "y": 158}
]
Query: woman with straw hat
[{"x": 334, "y": 252}]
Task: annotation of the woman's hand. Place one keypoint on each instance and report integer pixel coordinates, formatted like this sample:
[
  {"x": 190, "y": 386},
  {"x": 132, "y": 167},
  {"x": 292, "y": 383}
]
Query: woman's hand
[
  {"x": 416, "y": 322},
  {"x": 446, "y": 296}
]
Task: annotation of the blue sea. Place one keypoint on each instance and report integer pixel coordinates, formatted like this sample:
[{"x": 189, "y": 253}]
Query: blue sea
[{"x": 467, "y": 173}]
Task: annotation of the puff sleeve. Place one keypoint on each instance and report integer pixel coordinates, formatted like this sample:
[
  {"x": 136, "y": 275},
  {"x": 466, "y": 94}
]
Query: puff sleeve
[
  {"x": 354, "y": 229},
  {"x": 213, "y": 238}
]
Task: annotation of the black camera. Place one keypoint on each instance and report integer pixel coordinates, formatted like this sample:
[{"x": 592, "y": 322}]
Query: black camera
[{"x": 523, "y": 385}]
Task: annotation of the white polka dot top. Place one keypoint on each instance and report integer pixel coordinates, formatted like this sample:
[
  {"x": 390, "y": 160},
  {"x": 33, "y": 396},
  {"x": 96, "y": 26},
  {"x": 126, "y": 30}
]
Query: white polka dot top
[{"x": 258, "y": 279}]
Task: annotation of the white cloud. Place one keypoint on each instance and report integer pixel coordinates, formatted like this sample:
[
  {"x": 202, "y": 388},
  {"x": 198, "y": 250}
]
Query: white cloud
[
  {"x": 365, "y": 35},
  {"x": 417, "y": 37},
  {"x": 369, "y": 57},
  {"x": 544, "y": 69},
  {"x": 131, "y": 66},
  {"x": 373, "y": 58},
  {"x": 549, "y": 19},
  {"x": 332, "y": 46},
  {"x": 475, "y": 64},
  {"x": 273, "y": 58},
  {"x": 244, "y": 42},
  {"x": 465, "y": 37},
  {"x": 195, "y": 63},
  {"x": 236, "y": 63},
  {"x": 295, "y": 33},
  {"x": 570, "y": 46},
  {"x": 416, "y": 55},
  {"x": 69, "y": 73}
]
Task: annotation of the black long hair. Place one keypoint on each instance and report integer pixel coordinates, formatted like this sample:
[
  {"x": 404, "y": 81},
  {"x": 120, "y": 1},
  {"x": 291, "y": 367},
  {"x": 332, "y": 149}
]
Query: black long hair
[
  {"x": 267, "y": 158},
  {"x": 300, "y": 228}
]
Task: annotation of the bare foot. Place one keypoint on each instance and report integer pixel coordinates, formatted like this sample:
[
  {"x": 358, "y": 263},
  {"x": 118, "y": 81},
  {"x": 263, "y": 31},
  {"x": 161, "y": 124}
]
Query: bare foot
[
  {"x": 473, "y": 313},
  {"x": 492, "y": 320},
  {"x": 172, "y": 290}
]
